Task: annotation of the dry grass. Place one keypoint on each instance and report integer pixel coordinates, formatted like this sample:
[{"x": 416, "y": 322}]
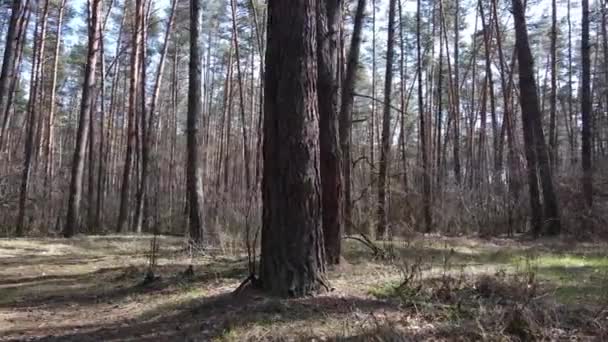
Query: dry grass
[{"x": 91, "y": 289}]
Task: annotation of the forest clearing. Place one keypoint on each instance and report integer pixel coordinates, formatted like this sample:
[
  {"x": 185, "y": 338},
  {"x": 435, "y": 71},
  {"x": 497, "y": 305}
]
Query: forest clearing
[{"x": 92, "y": 289}]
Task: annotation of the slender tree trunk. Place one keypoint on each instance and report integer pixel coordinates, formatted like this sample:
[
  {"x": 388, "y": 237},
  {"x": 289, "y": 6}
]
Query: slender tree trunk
[
  {"x": 553, "y": 95},
  {"x": 533, "y": 135},
  {"x": 507, "y": 121},
  {"x": 603, "y": 100},
  {"x": 487, "y": 36},
  {"x": 372, "y": 121},
  {"x": 15, "y": 33},
  {"x": 132, "y": 110},
  {"x": 439, "y": 115},
  {"x": 403, "y": 81},
  {"x": 50, "y": 139},
  {"x": 571, "y": 120},
  {"x": 346, "y": 112},
  {"x": 426, "y": 176},
  {"x": 386, "y": 122},
  {"x": 586, "y": 109},
  {"x": 146, "y": 125},
  {"x": 241, "y": 100},
  {"x": 328, "y": 29},
  {"x": 228, "y": 109},
  {"x": 456, "y": 147},
  {"x": 195, "y": 111},
  {"x": 75, "y": 194},
  {"x": 32, "y": 112}
]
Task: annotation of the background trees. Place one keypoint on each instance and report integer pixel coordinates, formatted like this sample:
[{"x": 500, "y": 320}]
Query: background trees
[{"x": 95, "y": 123}]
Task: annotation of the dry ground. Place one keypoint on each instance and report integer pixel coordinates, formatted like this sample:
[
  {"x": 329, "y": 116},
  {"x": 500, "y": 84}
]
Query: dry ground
[{"x": 91, "y": 289}]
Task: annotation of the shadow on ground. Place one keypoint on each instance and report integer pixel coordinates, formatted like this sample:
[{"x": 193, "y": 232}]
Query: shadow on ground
[{"x": 213, "y": 317}]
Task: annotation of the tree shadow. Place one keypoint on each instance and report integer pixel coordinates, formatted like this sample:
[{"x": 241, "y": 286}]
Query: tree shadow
[
  {"x": 107, "y": 285},
  {"x": 203, "y": 319},
  {"x": 54, "y": 260}
]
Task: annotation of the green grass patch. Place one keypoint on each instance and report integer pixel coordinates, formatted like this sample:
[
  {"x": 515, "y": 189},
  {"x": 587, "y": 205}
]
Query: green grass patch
[
  {"x": 385, "y": 290},
  {"x": 576, "y": 278}
]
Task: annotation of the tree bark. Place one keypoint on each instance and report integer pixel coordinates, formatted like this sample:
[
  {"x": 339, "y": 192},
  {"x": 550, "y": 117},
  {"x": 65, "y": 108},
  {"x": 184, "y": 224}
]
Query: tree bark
[
  {"x": 328, "y": 27},
  {"x": 346, "y": 112},
  {"x": 131, "y": 113},
  {"x": 293, "y": 254},
  {"x": 146, "y": 125},
  {"x": 456, "y": 147},
  {"x": 386, "y": 122},
  {"x": 50, "y": 138},
  {"x": 586, "y": 109},
  {"x": 536, "y": 151},
  {"x": 32, "y": 112},
  {"x": 195, "y": 111},
  {"x": 14, "y": 34},
  {"x": 553, "y": 95},
  {"x": 426, "y": 176},
  {"x": 239, "y": 76}
]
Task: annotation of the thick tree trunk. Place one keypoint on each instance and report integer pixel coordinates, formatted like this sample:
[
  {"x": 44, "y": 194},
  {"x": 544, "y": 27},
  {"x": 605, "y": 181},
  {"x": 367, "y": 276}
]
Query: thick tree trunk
[
  {"x": 293, "y": 254},
  {"x": 386, "y": 122},
  {"x": 195, "y": 111},
  {"x": 328, "y": 27},
  {"x": 346, "y": 112},
  {"x": 75, "y": 194}
]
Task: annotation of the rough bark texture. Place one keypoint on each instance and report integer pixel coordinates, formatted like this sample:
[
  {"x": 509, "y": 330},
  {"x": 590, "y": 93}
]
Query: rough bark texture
[
  {"x": 75, "y": 195},
  {"x": 346, "y": 111},
  {"x": 328, "y": 26},
  {"x": 195, "y": 111},
  {"x": 386, "y": 122},
  {"x": 293, "y": 255}
]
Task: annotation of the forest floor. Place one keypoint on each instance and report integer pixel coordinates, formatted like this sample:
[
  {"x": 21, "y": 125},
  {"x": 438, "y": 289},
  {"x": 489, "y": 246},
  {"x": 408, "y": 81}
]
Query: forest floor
[{"x": 92, "y": 289}]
